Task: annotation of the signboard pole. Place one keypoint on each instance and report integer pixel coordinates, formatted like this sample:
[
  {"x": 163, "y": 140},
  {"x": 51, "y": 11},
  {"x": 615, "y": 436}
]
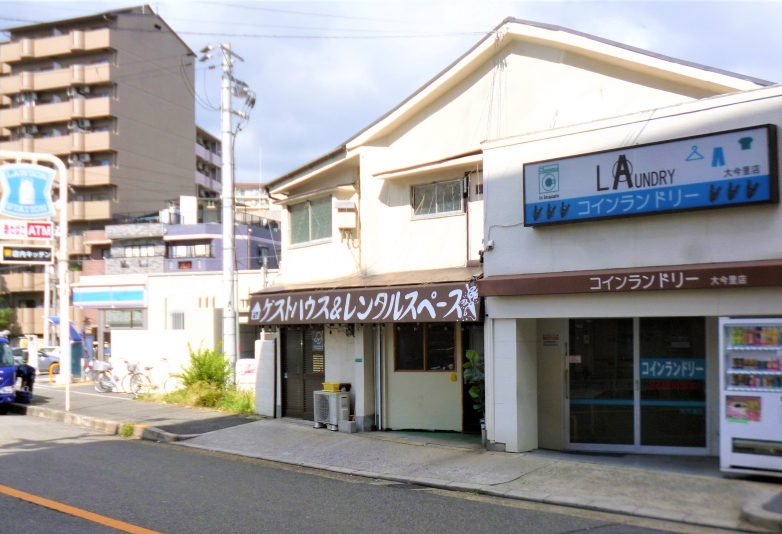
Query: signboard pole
[
  {"x": 65, "y": 353},
  {"x": 47, "y": 304}
]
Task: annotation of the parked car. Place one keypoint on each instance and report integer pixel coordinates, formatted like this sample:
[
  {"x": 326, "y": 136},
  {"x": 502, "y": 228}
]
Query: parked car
[{"x": 46, "y": 358}]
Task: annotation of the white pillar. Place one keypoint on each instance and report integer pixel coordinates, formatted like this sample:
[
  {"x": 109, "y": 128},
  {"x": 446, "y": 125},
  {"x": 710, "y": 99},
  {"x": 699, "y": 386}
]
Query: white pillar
[
  {"x": 364, "y": 378},
  {"x": 514, "y": 376}
]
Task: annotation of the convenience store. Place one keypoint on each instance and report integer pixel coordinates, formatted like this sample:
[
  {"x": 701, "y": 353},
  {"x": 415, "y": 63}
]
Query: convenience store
[{"x": 613, "y": 250}]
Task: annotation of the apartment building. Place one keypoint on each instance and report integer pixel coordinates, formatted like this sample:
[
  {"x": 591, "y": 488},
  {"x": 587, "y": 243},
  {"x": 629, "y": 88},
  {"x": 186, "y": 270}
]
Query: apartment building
[
  {"x": 253, "y": 199},
  {"x": 111, "y": 95},
  {"x": 208, "y": 151}
]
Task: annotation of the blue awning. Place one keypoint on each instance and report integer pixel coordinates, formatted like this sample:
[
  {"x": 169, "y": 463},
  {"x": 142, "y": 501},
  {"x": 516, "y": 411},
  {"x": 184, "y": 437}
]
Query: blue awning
[{"x": 74, "y": 333}]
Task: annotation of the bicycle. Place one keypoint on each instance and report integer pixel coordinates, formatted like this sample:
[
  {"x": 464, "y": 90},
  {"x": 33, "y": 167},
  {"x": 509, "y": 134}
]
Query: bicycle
[
  {"x": 147, "y": 383},
  {"x": 105, "y": 381}
]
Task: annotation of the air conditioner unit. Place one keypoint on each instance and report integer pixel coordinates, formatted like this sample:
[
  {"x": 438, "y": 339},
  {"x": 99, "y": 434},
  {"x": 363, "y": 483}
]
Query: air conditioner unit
[
  {"x": 85, "y": 90},
  {"x": 331, "y": 408},
  {"x": 73, "y": 158},
  {"x": 84, "y": 157},
  {"x": 21, "y": 130},
  {"x": 72, "y": 125},
  {"x": 200, "y": 166},
  {"x": 19, "y": 98},
  {"x": 71, "y": 91},
  {"x": 32, "y": 129},
  {"x": 84, "y": 123}
]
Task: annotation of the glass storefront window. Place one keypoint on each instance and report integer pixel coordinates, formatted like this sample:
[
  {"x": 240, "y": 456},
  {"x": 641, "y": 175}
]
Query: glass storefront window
[{"x": 673, "y": 381}]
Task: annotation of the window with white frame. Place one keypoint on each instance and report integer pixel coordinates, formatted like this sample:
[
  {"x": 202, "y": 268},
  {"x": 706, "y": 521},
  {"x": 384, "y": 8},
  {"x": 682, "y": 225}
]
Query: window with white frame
[
  {"x": 440, "y": 198},
  {"x": 138, "y": 251},
  {"x": 311, "y": 220}
]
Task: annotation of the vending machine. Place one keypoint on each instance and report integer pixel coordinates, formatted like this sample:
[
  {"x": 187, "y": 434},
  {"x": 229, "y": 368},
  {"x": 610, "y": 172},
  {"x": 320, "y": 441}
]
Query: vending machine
[{"x": 751, "y": 396}]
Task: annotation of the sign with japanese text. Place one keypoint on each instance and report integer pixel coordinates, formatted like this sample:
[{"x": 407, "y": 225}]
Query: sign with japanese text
[
  {"x": 681, "y": 277},
  {"x": 38, "y": 230},
  {"x": 677, "y": 368},
  {"x": 27, "y": 191},
  {"x": 456, "y": 302},
  {"x": 709, "y": 171},
  {"x": 27, "y": 254}
]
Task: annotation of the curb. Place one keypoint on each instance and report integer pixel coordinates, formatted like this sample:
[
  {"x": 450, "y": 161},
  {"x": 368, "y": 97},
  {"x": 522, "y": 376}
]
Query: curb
[
  {"x": 754, "y": 513},
  {"x": 599, "y": 505},
  {"x": 140, "y": 431}
]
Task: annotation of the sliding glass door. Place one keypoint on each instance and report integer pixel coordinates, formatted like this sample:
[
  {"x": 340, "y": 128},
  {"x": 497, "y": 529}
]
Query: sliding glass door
[{"x": 636, "y": 384}]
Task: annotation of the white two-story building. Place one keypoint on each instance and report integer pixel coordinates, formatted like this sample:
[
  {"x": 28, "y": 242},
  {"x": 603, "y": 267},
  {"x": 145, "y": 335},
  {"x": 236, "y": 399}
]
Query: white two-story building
[{"x": 383, "y": 236}]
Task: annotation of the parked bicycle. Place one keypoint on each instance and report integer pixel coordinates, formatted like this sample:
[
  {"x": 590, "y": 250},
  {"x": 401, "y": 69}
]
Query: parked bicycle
[
  {"x": 105, "y": 380},
  {"x": 147, "y": 383}
]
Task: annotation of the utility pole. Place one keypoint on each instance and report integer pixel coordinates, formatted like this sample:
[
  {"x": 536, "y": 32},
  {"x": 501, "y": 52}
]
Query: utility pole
[
  {"x": 229, "y": 233},
  {"x": 231, "y": 87}
]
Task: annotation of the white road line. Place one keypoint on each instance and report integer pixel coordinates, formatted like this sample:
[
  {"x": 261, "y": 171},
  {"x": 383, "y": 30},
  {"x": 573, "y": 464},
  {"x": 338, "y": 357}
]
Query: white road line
[{"x": 81, "y": 393}]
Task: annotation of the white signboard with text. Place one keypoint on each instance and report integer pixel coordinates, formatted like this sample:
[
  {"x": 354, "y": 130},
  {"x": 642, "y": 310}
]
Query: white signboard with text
[{"x": 732, "y": 168}]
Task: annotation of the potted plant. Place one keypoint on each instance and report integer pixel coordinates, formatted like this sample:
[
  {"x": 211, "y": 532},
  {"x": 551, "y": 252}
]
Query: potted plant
[{"x": 475, "y": 376}]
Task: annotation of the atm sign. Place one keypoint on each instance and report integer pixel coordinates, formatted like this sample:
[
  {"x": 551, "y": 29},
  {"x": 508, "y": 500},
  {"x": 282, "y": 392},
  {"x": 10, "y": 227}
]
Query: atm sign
[{"x": 42, "y": 230}]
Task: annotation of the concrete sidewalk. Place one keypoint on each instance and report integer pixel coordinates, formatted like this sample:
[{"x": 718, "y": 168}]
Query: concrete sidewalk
[
  {"x": 683, "y": 489},
  {"x": 551, "y": 478},
  {"x": 102, "y": 411}
]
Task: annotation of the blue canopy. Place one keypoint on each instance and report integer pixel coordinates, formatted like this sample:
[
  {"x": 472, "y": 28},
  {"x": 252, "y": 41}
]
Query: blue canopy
[{"x": 74, "y": 333}]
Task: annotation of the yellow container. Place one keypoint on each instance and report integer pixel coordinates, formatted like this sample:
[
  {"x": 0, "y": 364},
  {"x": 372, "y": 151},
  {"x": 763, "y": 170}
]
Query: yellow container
[{"x": 331, "y": 387}]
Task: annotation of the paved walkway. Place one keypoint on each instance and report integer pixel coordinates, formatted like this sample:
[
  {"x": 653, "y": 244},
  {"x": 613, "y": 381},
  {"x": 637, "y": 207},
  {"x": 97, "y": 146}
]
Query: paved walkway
[
  {"x": 547, "y": 477},
  {"x": 685, "y": 489}
]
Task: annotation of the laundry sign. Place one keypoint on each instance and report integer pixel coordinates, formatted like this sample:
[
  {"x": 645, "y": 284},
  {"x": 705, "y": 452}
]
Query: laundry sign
[
  {"x": 27, "y": 191},
  {"x": 729, "y": 168}
]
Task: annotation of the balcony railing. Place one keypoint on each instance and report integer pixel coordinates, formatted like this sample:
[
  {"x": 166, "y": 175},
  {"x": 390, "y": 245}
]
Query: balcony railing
[
  {"x": 55, "y": 79},
  {"x": 76, "y": 40}
]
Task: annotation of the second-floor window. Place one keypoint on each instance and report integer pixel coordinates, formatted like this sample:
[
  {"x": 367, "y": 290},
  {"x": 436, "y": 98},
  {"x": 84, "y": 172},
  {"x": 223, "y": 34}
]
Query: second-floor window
[
  {"x": 190, "y": 251},
  {"x": 442, "y": 198},
  {"x": 311, "y": 220},
  {"x": 137, "y": 251}
]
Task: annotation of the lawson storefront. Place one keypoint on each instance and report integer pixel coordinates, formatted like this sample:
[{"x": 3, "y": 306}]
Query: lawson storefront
[
  {"x": 615, "y": 249},
  {"x": 120, "y": 307}
]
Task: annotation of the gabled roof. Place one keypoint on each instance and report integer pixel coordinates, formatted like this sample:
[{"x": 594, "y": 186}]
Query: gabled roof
[{"x": 717, "y": 80}]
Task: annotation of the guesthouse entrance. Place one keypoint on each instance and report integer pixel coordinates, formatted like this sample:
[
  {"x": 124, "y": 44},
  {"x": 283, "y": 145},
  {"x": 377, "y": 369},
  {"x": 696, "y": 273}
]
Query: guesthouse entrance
[{"x": 303, "y": 368}]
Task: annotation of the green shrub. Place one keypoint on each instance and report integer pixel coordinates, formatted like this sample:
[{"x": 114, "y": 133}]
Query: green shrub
[
  {"x": 206, "y": 396},
  {"x": 208, "y": 366}
]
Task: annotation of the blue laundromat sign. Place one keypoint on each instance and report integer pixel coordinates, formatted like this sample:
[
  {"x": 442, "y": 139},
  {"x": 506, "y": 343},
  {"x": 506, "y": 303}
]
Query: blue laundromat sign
[
  {"x": 733, "y": 168},
  {"x": 27, "y": 191}
]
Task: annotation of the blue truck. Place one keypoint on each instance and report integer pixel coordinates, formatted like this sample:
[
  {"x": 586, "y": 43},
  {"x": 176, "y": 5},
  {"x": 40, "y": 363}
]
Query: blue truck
[{"x": 7, "y": 372}]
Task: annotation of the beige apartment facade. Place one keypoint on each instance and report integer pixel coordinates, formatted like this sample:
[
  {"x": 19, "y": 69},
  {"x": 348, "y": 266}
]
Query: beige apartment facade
[{"x": 111, "y": 95}]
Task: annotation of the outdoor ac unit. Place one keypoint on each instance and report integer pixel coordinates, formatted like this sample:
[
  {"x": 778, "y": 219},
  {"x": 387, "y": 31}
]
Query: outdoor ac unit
[
  {"x": 85, "y": 90},
  {"x": 22, "y": 130},
  {"x": 32, "y": 129},
  {"x": 84, "y": 123},
  {"x": 71, "y": 91},
  {"x": 331, "y": 408},
  {"x": 72, "y": 125},
  {"x": 84, "y": 157}
]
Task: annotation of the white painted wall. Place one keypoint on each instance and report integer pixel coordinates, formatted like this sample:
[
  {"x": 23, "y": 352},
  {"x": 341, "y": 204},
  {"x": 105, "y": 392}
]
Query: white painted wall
[{"x": 719, "y": 235}]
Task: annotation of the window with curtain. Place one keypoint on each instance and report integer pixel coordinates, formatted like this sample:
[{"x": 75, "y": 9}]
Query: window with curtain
[
  {"x": 311, "y": 220},
  {"x": 437, "y": 199}
]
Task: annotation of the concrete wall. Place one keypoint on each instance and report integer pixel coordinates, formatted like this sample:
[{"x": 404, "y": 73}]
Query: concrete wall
[{"x": 155, "y": 115}]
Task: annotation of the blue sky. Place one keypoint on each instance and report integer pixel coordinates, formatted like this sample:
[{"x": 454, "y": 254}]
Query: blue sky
[{"x": 325, "y": 70}]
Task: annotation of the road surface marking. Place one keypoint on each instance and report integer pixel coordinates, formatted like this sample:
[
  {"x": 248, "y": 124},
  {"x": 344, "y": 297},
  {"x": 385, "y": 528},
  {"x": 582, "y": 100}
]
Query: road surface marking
[{"x": 76, "y": 512}]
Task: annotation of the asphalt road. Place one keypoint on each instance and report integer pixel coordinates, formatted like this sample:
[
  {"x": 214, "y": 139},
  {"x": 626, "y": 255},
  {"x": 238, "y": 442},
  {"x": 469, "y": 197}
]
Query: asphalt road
[{"x": 165, "y": 488}]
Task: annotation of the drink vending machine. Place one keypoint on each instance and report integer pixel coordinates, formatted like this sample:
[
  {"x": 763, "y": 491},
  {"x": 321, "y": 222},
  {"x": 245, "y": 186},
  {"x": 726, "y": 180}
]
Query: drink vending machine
[{"x": 751, "y": 396}]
